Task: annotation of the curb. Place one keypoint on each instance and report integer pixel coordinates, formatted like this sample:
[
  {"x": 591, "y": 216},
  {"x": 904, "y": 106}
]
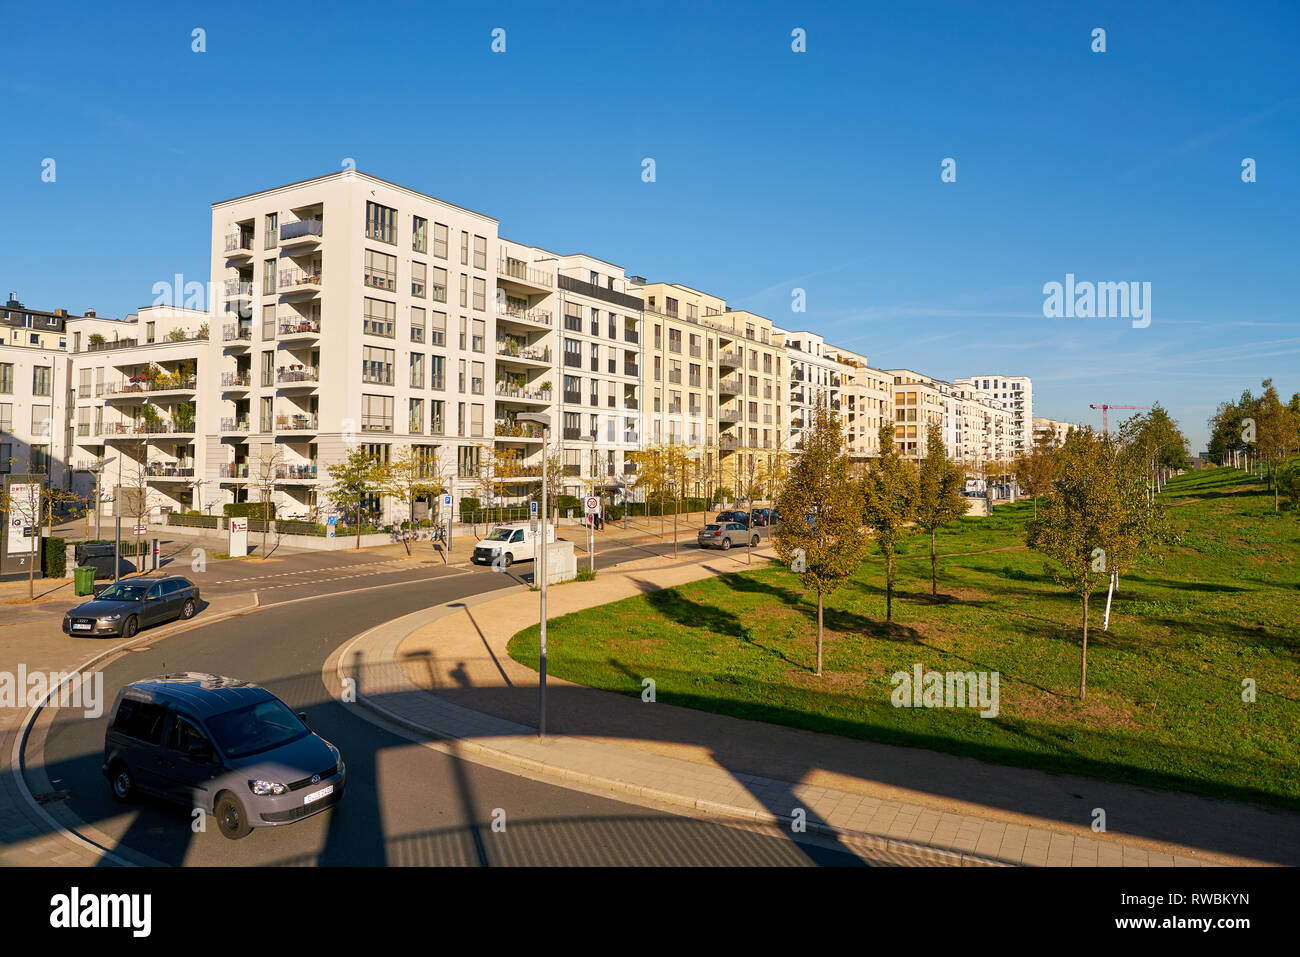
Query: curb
[{"x": 555, "y": 773}]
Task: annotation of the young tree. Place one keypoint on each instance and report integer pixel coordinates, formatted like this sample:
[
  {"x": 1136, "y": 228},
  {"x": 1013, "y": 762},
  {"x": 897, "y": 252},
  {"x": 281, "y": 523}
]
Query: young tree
[
  {"x": 1080, "y": 519},
  {"x": 1277, "y": 433},
  {"x": 653, "y": 476},
  {"x": 889, "y": 503},
  {"x": 939, "y": 501},
  {"x": 1036, "y": 469},
  {"x": 410, "y": 476},
  {"x": 351, "y": 479},
  {"x": 821, "y": 537},
  {"x": 266, "y": 479}
]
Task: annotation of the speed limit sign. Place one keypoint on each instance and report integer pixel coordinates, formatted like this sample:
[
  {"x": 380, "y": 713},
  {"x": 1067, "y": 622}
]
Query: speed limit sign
[{"x": 593, "y": 504}]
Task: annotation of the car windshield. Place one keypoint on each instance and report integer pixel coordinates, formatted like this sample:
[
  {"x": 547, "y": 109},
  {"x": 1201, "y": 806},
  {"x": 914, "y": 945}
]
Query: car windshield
[
  {"x": 711, "y": 528},
  {"x": 124, "y": 591},
  {"x": 258, "y": 727},
  {"x": 500, "y": 535}
]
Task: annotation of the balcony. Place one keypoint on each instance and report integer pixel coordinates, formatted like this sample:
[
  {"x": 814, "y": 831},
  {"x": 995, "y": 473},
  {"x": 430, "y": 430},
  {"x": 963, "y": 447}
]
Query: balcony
[
  {"x": 240, "y": 334},
  {"x": 303, "y": 423},
  {"x": 236, "y": 380},
  {"x": 516, "y": 393},
  {"x": 729, "y": 443},
  {"x": 729, "y": 415},
  {"x": 296, "y": 473},
  {"x": 630, "y": 335},
  {"x": 599, "y": 292},
  {"x": 297, "y": 327},
  {"x": 629, "y": 402},
  {"x": 136, "y": 429},
  {"x": 233, "y": 470},
  {"x": 510, "y": 350},
  {"x": 730, "y": 385},
  {"x": 532, "y": 317},
  {"x": 519, "y": 273},
  {"x": 304, "y": 233},
  {"x": 631, "y": 368},
  {"x": 516, "y": 430},
  {"x": 234, "y": 424},
  {"x": 572, "y": 398},
  {"x": 731, "y": 359},
  {"x": 237, "y": 289},
  {"x": 295, "y": 281},
  {"x": 289, "y": 378},
  {"x": 140, "y": 385},
  {"x": 239, "y": 245},
  {"x": 167, "y": 470}
]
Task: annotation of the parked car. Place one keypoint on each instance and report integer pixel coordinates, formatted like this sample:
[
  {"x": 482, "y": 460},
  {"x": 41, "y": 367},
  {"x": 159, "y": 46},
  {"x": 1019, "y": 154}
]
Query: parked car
[
  {"x": 765, "y": 517},
  {"x": 131, "y": 604},
  {"x": 220, "y": 744},
  {"x": 513, "y": 542},
  {"x": 733, "y": 515},
  {"x": 725, "y": 534}
]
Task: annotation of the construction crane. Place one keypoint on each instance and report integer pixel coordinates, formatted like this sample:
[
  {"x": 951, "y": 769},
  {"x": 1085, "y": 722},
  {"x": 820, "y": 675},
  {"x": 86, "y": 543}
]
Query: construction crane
[{"x": 1105, "y": 420}]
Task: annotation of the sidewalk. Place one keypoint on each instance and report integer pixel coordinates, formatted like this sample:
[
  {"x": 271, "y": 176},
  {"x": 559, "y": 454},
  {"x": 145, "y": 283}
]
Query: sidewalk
[{"x": 944, "y": 807}]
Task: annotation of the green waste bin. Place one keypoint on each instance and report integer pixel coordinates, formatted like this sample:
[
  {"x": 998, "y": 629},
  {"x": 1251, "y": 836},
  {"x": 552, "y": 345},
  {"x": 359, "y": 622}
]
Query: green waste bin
[{"x": 84, "y": 579}]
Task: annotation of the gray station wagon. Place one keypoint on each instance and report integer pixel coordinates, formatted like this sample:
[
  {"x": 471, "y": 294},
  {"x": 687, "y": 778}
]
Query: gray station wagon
[
  {"x": 131, "y": 604},
  {"x": 220, "y": 744},
  {"x": 725, "y": 534}
]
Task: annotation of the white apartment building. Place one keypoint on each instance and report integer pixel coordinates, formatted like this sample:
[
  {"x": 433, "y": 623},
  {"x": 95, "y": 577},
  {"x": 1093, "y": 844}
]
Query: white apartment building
[
  {"x": 1057, "y": 430},
  {"x": 1013, "y": 393},
  {"x": 866, "y": 398},
  {"x": 33, "y": 391},
  {"x": 814, "y": 382}
]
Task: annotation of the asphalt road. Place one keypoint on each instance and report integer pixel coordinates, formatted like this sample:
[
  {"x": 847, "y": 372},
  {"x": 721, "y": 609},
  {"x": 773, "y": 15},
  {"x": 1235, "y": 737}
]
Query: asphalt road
[{"x": 406, "y": 804}]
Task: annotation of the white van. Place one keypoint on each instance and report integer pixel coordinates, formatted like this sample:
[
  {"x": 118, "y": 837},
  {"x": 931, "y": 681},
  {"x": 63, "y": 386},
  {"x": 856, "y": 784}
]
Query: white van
[{"x": 513, "y": 542}]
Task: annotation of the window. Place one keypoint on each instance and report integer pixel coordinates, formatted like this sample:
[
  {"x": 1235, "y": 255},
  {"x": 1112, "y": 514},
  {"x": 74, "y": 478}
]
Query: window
[
  {"x": 418, "y": 273},
  {"x": 6, "y": 416},
  {"x": 440, "y": 240},
  {"x": 467, "y": 460},
  {"x": 460, "y": 378},
  {"x": 437, "y": 373},
  {"x": 476, "y": 420},
  {"x": 140, "y": 720},
  {"x": 379, "y": 318},
  {"x": 464, "y": 291},
  {"x": 376, "y": 413},
  {"x": 572, "y": 353},
  {"x": 478, "y": 342},
  {"x": 480, "y": 294},
  {"x": 381, "y": 223},
  {"x": 417, "y": 371},
  {"x": 381, "y": 271},
  {"x": 480, "y": 252},
  {"x": 41, "y": 380},
  {"x": 6, "y": 453},
  {"x": 272, "y": 230},
  {"x": 7, "y": 378},
  {"x": 148, "y": 333},
  {"x": 42, "y": 424},
  {"x": 464, "y": 248},
  {"x": 268, "y": 278},
  {"x": 439, "y": 293},
  {"x": 476, "y": 378},
  {"x": 415, "y": 420},
  {"x": 417, "y": 324},
  {"x": 268, "y": 323},
  {"x": 377, "y": 365},
  {"x": 438, "y": 329},
  {"x": 419, "y": 234},
  {"x": 267, "y": 419},
  {"x": 437, "y": 410}
]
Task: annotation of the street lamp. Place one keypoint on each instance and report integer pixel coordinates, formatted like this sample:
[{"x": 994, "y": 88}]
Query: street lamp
[
  {"x": 542, "y": 420},
  {"x": 96, "y": 470}
]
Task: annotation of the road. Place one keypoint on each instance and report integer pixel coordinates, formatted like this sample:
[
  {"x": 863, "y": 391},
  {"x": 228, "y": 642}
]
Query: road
[{"x": 406, "y": 803}]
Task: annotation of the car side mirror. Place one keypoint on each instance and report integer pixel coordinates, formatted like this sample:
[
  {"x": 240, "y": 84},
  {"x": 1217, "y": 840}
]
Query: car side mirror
[{"x": 302, "y": 716}]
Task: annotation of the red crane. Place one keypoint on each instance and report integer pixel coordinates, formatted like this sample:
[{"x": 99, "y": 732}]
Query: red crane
[{"x": 1105, "y": 420}]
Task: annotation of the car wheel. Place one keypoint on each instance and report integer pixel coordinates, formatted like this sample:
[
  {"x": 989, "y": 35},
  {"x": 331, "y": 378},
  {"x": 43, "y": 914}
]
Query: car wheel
[
  {"x": 188, "y": 609},
  {"x": 131, "y": 626},
  {"x": 232, "y": 822},
  {"x": 726, "y": 543},
  {"x": 754, "y": 540},
  {"x": 510, "y": 559},
  {"x": 123, "y": 785}
]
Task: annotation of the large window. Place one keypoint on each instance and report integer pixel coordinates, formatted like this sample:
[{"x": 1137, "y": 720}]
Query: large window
[
  {"x": 480, "y": 294},
  {"x": 437, "y": 373},
  {"x": 381, "y": 223},
  {"x": 480, "y": 252},
  {"x": 419, "y": 234},
  {"x": 418, "y": 274},
  {"x": 437, "y": 411},
  {"x": 479, "y": 331},
  {"x": 476, "y": 420},
  {"x": 379, "y": 318},
  {"x": 415, "y": 423},
  {"x": 376, "y": 413},
  {"x": 417, "y": 370},
  {"x": 440, "y": 240},
  {"x": 7, "y": 378},
  {"x": 438, "y": 329},
  {"x": 476, "y": 378},
  {"x": 417, "y": 324},
  {"x": 439, "y": 292},
  {"x": 272, "y": 230},
  {"x": 41, "y": 376},
  {"x": 377, "y": 365},
  {"x": 381, "y": 271}
]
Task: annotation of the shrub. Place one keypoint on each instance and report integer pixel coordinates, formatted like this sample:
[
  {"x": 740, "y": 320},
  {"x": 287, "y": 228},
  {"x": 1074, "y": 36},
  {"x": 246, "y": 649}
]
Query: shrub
[
  {"x": 300, "y": 528},
  {"x": 585, "y": 574},
  {"x": 567, "y": 501},
  {"x": 54, "y": 563},
  {"x": 468, "y": 505},
  {"x": 1288, "y": 482},
  {"x": 248, "y": 509}
]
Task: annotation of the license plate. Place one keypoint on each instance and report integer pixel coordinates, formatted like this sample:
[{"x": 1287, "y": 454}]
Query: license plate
[
  {"x": 317, "y": 795},
  {"x": 81, "y": 626}
]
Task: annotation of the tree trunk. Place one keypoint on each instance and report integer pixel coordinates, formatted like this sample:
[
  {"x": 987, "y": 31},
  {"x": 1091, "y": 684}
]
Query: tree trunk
[
  {"x": 889, "y": 587},
  {"x": 1083, "y": 671},
  {"x": 934, "y": 568},
  {"x": 358, "y": 522},
  {"x": 819, "y": 632}
]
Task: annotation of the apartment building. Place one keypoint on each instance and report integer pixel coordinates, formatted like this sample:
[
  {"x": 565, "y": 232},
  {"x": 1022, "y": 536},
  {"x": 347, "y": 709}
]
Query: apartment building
[
  {"x": 976, "y": 432},
  {"x": 815, "y": 382},
  {"x": 867, "y": 402},
  {"x": 919, "y": 402},
  {"x": 34, "y": 391},
  {"x": 1013, "y": 393},
  {"x": 1057, "y": 430}
]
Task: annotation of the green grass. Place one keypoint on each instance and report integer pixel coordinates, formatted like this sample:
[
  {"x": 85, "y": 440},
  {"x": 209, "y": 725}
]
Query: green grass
[{"x": 1164, "y": 704}]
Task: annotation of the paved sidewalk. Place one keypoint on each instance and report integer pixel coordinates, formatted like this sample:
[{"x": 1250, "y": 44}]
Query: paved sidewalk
[{"x": 949, "y": 808}]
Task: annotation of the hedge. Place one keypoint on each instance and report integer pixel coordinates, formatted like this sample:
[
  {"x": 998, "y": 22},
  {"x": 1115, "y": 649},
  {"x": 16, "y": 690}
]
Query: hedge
[
  {"x": 193, "y": 521},
  {"x": 248, "y": 509},
  {"x": 300, "y": 528},
  {"x": 469, "y": 505},
  {"x": 55, "y": 558}
]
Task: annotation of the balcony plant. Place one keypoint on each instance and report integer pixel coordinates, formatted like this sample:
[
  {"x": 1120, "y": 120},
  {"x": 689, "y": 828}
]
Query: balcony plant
[{"x": 184, "y": 416}]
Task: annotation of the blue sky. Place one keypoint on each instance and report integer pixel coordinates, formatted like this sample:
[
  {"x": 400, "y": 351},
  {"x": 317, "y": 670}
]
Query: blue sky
[{"x": 775, "y": 170}]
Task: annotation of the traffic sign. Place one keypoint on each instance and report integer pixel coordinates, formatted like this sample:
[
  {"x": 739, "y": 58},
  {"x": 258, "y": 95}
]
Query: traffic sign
[
  {"x": 446, "y": 501},
  {"x": 140, "y": 530},
  {"x": 532, "y": 509},
  {"x": 593, "y": 504}
]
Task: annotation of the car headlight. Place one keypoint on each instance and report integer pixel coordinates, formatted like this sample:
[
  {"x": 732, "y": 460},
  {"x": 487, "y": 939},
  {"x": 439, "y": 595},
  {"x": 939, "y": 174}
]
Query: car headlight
[
  {"x": 107, "y": 618},
  {"x": 266, "y": 787}
]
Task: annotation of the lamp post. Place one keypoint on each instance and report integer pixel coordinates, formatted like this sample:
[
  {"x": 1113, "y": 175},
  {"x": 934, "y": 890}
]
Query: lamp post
[
  {"x": 98, "y": 470},
  {"x": 544, "y": 421}
]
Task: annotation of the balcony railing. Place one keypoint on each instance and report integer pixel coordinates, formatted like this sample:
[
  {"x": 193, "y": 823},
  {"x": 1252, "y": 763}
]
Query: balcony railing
[
  {"x": 170, "y": 471},
  {"x": 164, "y": 383},
  {"x": 237, "y": 333},
  {"x": 572, "y": 398},
  {"x": 297, "y": 375},
  {"x": 233, "y": 470},
  {"x": 517, "y": 269},
  {"x": 300, "y": 472},
  {"x": 298, "y": 326},
  {"x": 146, "y": 428},
  {"x": 729, "y": 415},
  {"x": 111, "y": 344},
  {"x": 629, "y": 402},
  {"x": 675, "y": 376},
  {"x": 234, "y": 425},
  {"x": 694, "y": 382},
  {"x": 516, "y": 429},
  {"x": 239, "y": 242},
  {"x": 728, "y": 443},
  {"x": 514, "y": 392},
  {"x": 537, "y": 316},
  {"x": 238, "y": 290},
  {"x": 731, "y": 358},
  {"x": 299, "y": 277},
  {"x": 629, "y": 335},
  {"x": 304, "y": 227},
  {"x": 236, "y": 380},
  {"x": 631, "y": 369},
  {"x": 731, "y": 385},
  {"x": 535, "y": 353},
  {"x": 302, "y": 423}
]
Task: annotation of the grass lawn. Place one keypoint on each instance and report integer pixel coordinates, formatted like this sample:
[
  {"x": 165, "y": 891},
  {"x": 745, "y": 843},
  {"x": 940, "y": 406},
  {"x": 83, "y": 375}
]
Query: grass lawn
[{"x": 1164, "y": 704}]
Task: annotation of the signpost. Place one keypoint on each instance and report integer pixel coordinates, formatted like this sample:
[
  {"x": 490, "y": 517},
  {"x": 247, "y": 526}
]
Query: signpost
[
  {"x": 22, "y": 527},
  {"x": 592, "y": 505},
  {"x": 532, "y": 517},
  {"x": 238, "y": 538},
  {"x": 331, "y": 521},
  {"x": 446, "y": 508}
]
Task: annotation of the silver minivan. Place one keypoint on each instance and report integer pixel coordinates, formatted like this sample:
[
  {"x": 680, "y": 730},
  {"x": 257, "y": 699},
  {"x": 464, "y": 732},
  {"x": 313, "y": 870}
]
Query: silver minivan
[{"x": 227, "y": 746}]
